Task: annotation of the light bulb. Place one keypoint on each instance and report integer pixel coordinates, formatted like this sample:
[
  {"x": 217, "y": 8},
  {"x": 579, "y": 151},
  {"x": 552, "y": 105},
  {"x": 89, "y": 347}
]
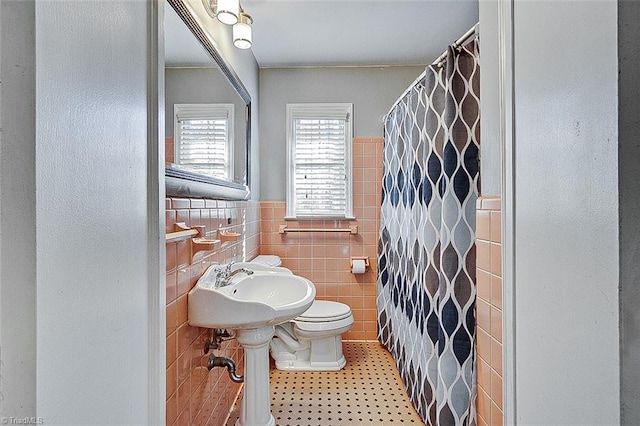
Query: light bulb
[
  {"x": 227, "y": 11},
  {"x": 242, "y": 32}
]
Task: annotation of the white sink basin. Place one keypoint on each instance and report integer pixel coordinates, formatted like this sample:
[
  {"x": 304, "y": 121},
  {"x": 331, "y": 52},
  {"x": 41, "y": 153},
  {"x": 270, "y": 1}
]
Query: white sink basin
[{"x": 265, "y": 298}]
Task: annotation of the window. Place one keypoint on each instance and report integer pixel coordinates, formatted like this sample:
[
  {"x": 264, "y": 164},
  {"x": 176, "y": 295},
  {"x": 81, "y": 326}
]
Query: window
[
  {"x": 319, "y": 183},
  {"x": 203, "y": 136}
]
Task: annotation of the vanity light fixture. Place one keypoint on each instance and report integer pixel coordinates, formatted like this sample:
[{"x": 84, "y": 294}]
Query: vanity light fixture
[
  {"x": 242, "y": 31},
  {"x": 211, "y": 7},
  {"x": 230, "y": 12},
  {"x": 227, "y": 11}
]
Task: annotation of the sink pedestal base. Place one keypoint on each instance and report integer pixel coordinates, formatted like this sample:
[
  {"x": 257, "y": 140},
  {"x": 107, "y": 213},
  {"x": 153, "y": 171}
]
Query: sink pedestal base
[{"x": 256, "y": 404}]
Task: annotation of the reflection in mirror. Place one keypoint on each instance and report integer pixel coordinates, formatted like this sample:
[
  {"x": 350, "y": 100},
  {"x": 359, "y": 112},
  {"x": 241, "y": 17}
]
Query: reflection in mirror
[{"x": 206, "y": 123}]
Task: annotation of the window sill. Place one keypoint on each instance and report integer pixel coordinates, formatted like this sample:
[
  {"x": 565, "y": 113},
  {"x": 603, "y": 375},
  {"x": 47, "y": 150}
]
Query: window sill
[{"x": 300, "y": 218}]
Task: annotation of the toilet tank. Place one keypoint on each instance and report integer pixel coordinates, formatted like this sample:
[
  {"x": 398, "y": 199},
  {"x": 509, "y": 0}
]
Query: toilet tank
[{"x": 268, "y": 260}]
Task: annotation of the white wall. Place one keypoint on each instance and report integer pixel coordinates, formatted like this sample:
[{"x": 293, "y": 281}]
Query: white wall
[
  {"x": 490, "y": 148},
  {"x": 95, "y": 272},
  {"x": 201, "y": 86},
  {"x": 566, "y": 213},
  {"x": 372, "y": 91},
  {"x": 198, "y": 86},
  {"x": 17, "y": 210}
]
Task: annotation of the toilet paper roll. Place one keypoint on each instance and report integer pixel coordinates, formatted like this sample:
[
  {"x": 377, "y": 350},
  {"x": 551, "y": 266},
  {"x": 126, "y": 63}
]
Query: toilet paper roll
[{"x": 358, "y": 266}]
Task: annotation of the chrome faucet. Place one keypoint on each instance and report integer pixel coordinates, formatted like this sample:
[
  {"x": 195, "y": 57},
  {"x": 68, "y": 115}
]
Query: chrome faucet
[{"x": 224, "y": 275}]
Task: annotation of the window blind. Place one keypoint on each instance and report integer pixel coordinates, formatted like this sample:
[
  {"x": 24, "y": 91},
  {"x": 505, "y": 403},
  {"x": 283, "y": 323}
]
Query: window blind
[
  {"x": 203, "y": 145},
  {"x": 202, "y": 140},
  {"x": 320, "y": 167}
]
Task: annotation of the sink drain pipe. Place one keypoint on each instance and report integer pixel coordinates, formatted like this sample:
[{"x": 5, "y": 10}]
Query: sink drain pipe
[{"x": 228, "y": 363}]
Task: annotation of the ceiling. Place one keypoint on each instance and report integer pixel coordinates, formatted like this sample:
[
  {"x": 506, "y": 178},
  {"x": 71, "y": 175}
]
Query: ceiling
[
  {"x": 293, "y": 33},
  {"x": 302, "y": 33}
]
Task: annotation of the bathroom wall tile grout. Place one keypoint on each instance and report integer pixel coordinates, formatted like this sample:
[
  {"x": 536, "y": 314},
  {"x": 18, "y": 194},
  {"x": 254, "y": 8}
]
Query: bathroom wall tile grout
[
  {"x": 489, "y": 311},
  {"x": 324, "y": 258},
  {"x": 196, "y": 396},
  {"x": 199, "y": 397}
]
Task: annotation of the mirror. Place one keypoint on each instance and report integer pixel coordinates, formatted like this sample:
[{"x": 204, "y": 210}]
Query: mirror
[{"x": 209, "y": 107}]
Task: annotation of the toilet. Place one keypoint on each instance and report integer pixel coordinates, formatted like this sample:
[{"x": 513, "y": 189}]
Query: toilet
[{"x": 313, "y": 340}]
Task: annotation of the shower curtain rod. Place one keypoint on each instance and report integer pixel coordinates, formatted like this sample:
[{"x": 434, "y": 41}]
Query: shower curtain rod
[{"x": 459, "y": 42}]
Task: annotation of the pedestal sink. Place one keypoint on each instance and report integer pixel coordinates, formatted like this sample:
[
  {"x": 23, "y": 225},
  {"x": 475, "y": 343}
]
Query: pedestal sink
[{"x": 251, "y": 302}]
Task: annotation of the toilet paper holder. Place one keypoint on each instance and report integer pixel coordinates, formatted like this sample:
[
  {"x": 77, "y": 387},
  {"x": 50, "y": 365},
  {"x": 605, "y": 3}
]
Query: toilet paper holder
[{"x": 365, "y": 258}]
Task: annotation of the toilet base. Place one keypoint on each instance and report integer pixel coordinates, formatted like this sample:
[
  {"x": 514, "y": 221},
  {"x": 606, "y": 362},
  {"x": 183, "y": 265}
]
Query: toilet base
[
  {"x": 301, "y": 365},
  {"x": 323, "y": 354}
]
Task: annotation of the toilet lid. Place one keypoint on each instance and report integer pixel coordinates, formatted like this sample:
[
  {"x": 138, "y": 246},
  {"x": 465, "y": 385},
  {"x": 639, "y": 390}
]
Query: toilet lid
[{"x": 324, "y": 310}]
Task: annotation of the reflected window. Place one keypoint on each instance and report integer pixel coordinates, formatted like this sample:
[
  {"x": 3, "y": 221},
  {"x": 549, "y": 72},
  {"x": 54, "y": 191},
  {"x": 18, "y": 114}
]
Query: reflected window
[{"x": 203, "y": 139}]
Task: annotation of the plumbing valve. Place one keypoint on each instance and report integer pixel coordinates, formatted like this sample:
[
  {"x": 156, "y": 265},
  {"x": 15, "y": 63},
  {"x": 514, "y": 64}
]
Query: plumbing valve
[{"x": 218, "y": 336}]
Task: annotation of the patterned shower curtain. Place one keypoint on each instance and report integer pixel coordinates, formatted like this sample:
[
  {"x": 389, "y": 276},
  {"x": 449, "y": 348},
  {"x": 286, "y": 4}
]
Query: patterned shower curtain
[{"x": 426, "y": 251}]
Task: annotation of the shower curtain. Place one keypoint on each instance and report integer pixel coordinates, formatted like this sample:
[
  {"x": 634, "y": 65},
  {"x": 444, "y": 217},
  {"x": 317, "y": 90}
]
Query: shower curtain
[{"x": 426, "y": 250}]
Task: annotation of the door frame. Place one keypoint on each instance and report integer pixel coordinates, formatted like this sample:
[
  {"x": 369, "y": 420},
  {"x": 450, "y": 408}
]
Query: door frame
[
  {"x": 156, "y": 214},
  {"x": 507, "y": 139}
]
